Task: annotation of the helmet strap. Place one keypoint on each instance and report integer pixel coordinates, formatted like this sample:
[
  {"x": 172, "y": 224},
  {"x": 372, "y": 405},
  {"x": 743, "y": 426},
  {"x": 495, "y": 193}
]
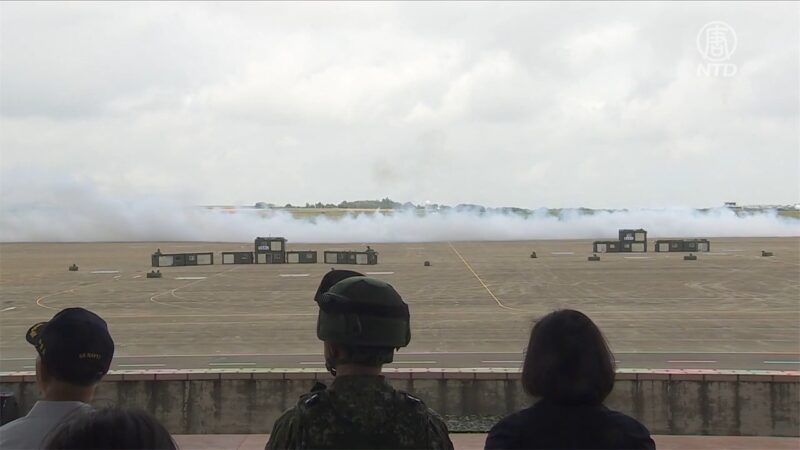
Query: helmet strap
[{"x": 330, "y": 367}]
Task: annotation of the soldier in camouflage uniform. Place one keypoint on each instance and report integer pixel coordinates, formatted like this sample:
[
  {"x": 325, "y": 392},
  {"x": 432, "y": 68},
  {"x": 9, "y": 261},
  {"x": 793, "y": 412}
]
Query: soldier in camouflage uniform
[{"x": 361, "y": 321}]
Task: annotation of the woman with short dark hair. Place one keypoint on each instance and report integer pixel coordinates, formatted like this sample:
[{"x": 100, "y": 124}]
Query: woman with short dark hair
[
  {"x": 570, "y": 369},
  {"x": 112, "y": 429}
]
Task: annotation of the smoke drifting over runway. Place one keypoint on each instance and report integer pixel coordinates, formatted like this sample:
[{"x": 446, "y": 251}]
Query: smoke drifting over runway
[{"x": 76, "y": 212}]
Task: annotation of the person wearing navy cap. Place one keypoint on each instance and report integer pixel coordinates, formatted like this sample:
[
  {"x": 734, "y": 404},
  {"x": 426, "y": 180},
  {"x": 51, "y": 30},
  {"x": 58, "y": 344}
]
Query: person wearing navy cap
[{"x": 75, "y": 351}]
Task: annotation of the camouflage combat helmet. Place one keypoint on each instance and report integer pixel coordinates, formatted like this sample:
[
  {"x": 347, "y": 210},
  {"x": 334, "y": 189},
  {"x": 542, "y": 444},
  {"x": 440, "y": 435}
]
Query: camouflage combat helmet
[{"x": 364, "y": 312}]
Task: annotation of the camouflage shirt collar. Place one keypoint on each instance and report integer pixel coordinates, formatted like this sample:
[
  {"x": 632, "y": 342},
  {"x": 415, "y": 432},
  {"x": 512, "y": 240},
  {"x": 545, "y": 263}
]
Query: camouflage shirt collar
[{"x": 360, "y": 383}]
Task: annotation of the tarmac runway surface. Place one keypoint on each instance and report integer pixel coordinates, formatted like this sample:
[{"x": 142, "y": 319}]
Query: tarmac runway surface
[
  {"x": 637, "y": 360},
  {"x": 472, "y": 307}
]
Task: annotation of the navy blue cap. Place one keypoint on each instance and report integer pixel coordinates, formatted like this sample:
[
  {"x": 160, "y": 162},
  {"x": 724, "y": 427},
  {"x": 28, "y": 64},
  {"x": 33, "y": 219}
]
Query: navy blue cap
[{"x": 75, "y": 345}]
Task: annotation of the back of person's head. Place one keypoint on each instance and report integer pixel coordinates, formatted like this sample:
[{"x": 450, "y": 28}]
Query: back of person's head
[
  {"x": 364, "y": 318},
  {"x": 74, "y": 346},
  {"x": 111, "y": 429},
  {"x": 568, "y": 360}
]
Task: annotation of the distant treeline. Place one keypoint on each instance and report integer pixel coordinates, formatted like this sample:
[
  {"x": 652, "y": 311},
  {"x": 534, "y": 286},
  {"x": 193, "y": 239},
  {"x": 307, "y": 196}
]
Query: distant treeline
[
  {"x": 389, "y": 204},
  {"x": 385, "y": 203}
]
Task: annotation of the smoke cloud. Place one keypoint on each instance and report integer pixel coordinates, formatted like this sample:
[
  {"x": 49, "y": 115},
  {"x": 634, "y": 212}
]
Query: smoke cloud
[{"x": 66, "y": 210}]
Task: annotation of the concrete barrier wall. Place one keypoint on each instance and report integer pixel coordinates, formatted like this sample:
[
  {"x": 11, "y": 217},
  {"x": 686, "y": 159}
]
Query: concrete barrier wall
[{"x": 694, "y": 402}]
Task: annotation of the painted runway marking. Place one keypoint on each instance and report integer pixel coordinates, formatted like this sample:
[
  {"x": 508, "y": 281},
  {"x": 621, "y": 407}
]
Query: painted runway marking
[
  {"x": 414, "y": 362},
  {"x": 380, "y": 273},
  {"x": 140, "y": 365},
  {"x": 294, "y": 274},
  {"x": 637, "y": 257},
  {"x": 562, "y": 253},
  {"x": 190, "y": 278},
  {"x": 233, "y": 364},
  {"x": 104, "y": 271},
  {"x": 781, "y": 362},
  {"x": 502, "y": 362},
  {"x": 499, "y": 303},
  {"x": 691, "y": 362},
  {"x": 40, "y": 303},
  {"x": 490, "y": 354},
  {"x": 9, "y": 308},
  {"x": 137, "y": 276},
  {"x": 172, "y": 291}
]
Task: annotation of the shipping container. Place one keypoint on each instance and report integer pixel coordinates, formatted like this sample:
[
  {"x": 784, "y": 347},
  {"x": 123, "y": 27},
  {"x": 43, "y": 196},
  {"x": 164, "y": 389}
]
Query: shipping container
[
  {"x": 633, "y": 247},
  {"x": 271, "y": 258},
  {"x": 237, "y": 257},
  {"x": 349, "y": 257},
  {"x": 159, "y": 259},
  {"x": 301, "y": 257},
  {"x": 606, "y": 247},
  {"x": 270, "y": 250},
  {"x": 631, "y": 235},
  {"x": 683, "y": 245},
  {"x": 270, "y": 244}
]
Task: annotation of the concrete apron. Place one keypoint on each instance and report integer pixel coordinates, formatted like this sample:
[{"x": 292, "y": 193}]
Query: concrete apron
[{"x": 465, "y": 441}]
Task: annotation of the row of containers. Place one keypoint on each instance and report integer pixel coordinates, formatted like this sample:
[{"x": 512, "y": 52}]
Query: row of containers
[
  {"x": 270, "y": 250},
  {"x": 635, "y": 241}
]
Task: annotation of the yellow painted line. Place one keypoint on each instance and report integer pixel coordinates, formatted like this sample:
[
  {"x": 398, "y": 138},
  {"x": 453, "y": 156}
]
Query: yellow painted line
[
  {"x": 39, "y": 300},
  {"x": 499, "y": 303},
  {"x": 172, "y": 291}
]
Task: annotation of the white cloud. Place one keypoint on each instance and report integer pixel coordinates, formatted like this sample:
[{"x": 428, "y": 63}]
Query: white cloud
[{"x": 523, "y": 104}]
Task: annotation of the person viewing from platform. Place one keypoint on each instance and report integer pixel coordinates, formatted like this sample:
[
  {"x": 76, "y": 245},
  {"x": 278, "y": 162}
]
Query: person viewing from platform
[
  {"x": 570, "y": 369},
  {"x": 74, "y": 353},
  {"x": 111, "y": 429},
  {"x": 361, "y": 322}
]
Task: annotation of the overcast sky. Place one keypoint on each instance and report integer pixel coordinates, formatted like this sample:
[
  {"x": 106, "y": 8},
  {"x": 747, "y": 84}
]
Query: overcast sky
[{"x": 530, "y": 105}]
